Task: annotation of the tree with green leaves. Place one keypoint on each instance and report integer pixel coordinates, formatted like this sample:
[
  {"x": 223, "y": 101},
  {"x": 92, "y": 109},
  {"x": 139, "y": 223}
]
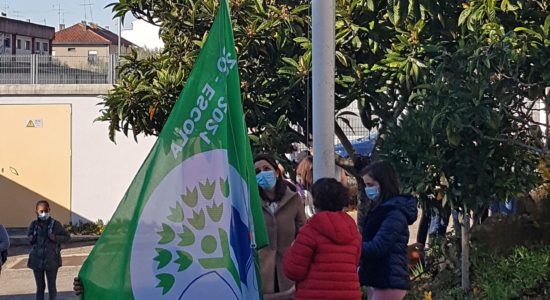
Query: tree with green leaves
[{"x": 470, "y": 135}]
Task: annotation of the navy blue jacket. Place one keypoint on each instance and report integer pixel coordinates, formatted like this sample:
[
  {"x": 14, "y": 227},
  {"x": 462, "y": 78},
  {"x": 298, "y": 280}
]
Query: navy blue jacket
[{"x": 384, "y": 249}]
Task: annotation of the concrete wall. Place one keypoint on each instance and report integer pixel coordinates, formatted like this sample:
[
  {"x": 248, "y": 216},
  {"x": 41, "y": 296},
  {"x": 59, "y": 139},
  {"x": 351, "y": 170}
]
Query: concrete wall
[
  {"x": 42, "y": 41},
  {"x": 35, "y": 161},
  {"x": 23, "y": 40},
  {"x": 79, "y": 57},
  {"x": 101, "y": 170},
  {"x": 19, "y": 27},
  {"x": 123, "y": 49}
]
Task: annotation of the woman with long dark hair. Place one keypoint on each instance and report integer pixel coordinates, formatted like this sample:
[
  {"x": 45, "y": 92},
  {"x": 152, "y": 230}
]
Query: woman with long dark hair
[
  {"x": 383, "y": 268},
  {"x": 284, "y": 215}
]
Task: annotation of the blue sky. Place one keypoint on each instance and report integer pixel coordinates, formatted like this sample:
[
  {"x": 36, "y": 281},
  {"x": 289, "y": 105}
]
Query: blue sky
[{"x": 46, "y": 11}]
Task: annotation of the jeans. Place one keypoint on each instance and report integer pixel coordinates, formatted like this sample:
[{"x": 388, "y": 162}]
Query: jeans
[{"x": 51, "y": 276}]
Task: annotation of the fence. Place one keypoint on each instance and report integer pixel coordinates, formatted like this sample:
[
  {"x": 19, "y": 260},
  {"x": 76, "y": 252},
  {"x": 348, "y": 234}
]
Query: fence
[{"x": 47, "y": 69}]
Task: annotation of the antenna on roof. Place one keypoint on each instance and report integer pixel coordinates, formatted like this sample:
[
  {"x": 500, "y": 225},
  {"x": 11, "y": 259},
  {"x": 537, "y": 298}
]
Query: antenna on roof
[
  {"x": 87, "y": 5},
  {"x": 60, "y": 12},
  {"x": 6, "y": 7}
]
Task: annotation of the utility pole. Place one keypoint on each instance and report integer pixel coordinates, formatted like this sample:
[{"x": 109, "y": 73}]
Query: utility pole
[
  {"x": 119, "y": 33},
  {"x": 323, "y": 29}
]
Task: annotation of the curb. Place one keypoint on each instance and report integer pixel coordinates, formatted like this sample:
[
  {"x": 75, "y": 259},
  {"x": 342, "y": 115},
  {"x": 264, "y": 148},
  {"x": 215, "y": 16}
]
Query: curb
[{"x": 21, "y": 240}]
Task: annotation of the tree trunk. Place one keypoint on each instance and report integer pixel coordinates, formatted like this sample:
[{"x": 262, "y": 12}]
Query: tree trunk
[
  {"x": 547, "y": 118},
  {"x": 465, "y": 261}
]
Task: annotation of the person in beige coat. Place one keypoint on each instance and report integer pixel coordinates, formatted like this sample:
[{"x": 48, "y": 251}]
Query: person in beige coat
[{"x": 284, "y": 215}]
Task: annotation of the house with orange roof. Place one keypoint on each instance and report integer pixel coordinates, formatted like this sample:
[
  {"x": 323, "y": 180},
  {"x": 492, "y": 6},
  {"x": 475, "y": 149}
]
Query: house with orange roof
[{"x": 87, "y": 44}]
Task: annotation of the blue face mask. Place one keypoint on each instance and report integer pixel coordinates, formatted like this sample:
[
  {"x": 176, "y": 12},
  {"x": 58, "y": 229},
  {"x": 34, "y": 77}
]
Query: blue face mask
[
  {"x": 372, "y": 192},
  {"x": 266, "y": 179}
]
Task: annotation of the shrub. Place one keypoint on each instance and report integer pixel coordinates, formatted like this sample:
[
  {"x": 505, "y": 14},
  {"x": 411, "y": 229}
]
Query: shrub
[
  {"x": 510, "y": 277},
  {"x": 89, "y": 228}
]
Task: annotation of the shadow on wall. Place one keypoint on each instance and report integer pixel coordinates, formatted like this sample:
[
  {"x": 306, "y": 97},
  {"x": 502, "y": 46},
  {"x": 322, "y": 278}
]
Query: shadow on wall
[{"x": 19, "y": 202}]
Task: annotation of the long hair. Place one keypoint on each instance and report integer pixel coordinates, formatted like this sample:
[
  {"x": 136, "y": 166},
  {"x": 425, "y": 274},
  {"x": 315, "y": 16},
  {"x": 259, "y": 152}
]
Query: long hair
[
  {"x": 280, "y": 186},
  {"x": 384, "y": 173},
  {"x": 305, "y": 171}
]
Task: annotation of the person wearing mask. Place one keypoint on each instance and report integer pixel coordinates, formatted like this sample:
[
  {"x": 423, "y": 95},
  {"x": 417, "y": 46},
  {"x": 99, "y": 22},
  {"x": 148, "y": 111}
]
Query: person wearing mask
[
  {"x": 323, "y": 260},
  {"x": 384, "y": 268},
  {"x": 284, "y": 215},
  {"x": 45, "y": 235},
  {"x": 4, "y": 246}
]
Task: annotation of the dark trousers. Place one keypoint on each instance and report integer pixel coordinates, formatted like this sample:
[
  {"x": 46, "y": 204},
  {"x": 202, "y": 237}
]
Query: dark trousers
[{"x": 40, "y": 276}]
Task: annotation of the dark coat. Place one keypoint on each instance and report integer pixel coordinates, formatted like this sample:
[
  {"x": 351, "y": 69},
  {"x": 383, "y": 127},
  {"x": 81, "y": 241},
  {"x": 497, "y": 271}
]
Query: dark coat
[
  {"x": 46, "y": 253},
  {"x": 384, "y": 249}
]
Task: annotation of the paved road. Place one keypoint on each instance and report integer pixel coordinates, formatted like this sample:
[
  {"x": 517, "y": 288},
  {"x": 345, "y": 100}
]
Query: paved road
[{"x": 17, "y": 281}]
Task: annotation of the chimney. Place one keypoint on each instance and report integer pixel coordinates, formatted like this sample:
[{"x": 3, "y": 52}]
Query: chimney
[
  {"x": 61, "y": 26},
  {"x": 93, "y": 25},
  {"x": 28, "y": 20},
  {"x": 107, "y": 27},
  {"x": 4, "y": 14}
]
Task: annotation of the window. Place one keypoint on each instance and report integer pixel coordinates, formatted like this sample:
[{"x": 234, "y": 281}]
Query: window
[
  {"x": 27, "y": 45},
  {"x": 45, "y": 47},
  {"x": 18, "y": 44},
  {"x": 7, "y": 43},
  {"x": 37, "y": 46},
  {"x": 71, "y": 49},
  {"x": 92, "y": 57}
]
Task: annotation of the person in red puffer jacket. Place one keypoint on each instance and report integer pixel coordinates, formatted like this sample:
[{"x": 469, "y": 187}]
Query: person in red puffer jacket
[{"x": 324, "y": 257}]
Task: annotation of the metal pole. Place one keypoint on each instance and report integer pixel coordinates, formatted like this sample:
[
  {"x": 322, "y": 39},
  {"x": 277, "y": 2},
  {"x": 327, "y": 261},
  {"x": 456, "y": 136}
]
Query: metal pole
[
  {"x": 119, "y": 33},
  {"x": 323, "y": 27}
]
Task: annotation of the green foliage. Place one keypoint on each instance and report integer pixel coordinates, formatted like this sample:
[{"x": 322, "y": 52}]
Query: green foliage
[
  {"x": 383, "y": 51},
  {"x": 88, "y": 228},
  {"x": 469, "y": 133},
  {"x": 510, "y": 277},
  {"x": 522, "y": 274}
]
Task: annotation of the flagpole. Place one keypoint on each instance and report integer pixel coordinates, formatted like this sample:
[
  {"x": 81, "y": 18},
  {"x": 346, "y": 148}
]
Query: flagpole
[{"x": 323, "y": 27}]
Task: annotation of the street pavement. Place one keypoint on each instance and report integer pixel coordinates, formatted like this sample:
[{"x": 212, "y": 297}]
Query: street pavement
[{"x": 17, "y": 281}]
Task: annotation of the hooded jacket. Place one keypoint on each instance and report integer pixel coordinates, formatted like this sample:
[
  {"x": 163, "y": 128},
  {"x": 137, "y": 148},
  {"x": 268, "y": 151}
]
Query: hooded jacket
[
  {"x": 324, "y": 257},
  {"x": 384, "y": 248}
]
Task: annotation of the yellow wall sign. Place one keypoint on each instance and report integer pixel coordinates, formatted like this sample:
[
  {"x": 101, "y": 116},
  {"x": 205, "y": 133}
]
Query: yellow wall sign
[{"x": 34, "y": 123}]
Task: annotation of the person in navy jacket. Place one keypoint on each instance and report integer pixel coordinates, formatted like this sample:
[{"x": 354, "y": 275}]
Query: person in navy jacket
[{"x": 385, "y": 232}]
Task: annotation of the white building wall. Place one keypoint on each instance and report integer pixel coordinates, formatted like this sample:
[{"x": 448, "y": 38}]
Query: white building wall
[
  {"x": 144, "y": 35},
  {"x": 101, "y": 170}
]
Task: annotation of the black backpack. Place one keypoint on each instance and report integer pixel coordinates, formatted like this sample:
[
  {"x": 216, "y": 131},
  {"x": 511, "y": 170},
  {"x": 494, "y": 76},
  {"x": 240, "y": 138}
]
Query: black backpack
[{"x": 4, "y": 256}]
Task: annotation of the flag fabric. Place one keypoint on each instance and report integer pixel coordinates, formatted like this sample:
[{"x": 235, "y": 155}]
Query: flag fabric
[{"x": 191, "y": 218}]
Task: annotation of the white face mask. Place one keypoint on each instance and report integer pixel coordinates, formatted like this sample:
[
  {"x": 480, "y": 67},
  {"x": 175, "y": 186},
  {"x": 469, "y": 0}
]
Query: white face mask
[{"x": 44, "y": 216}]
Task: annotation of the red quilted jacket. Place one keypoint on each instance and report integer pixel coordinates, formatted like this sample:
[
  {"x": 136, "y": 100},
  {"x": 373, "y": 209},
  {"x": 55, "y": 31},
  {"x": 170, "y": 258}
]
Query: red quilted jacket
[{"x": 324, "y": 257}]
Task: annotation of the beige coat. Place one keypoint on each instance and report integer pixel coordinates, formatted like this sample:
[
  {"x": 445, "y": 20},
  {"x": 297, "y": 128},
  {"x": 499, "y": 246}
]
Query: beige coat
[{"x": 282, "y": 228}]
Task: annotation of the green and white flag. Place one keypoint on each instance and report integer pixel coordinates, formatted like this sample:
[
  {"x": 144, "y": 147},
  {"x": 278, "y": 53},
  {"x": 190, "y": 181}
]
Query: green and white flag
[{"x": 187, "y": 226}]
